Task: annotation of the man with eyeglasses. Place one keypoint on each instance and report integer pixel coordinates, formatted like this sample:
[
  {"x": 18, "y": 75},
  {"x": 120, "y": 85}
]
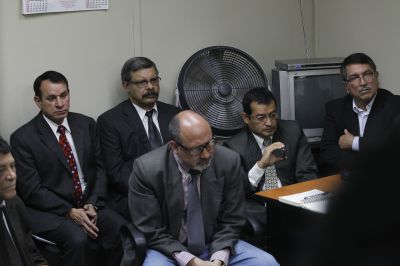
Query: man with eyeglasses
[
  {"x": 359, "y": 120},
  {"x": 187, "y": 197},
  {"x": 133, "y": 127},
  {"x": 259, "y": 143}
]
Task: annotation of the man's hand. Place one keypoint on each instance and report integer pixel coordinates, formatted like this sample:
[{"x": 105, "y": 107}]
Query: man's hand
[
  {"x": 268, "y": 157},
  {"x": 81, "y": 217},
  {"x": 91, "y": 212},
  {"x": 198, "y": 262},
  {"x": 346, "y": 140}
]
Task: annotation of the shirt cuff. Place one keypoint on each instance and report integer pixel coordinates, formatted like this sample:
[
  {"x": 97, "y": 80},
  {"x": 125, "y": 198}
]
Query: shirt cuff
[
  {"x": 255, "y": 175},
  {"x": 183, "y": 257},
  {"x": 355, "y": 146},
  {"x": 222, "y": 255}
]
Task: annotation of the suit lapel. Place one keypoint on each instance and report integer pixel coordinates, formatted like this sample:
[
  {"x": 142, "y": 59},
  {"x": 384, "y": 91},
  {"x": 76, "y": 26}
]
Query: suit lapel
[
  {"x": 132, "y": 119},
  {"x": 77, "y": 132},
  {"x": 46, "y": 135},
  {"x": 163, "y": 122},
  {"x": 174, "y": 194},
  {"x": 254, "y": 150},
  {"x": 351, "y": 119},
  {"x": 376, "y": 109}
]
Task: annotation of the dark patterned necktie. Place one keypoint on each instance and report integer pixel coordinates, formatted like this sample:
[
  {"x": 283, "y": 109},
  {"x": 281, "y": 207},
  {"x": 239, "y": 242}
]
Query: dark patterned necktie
[
  {"x": 154, "y": 134},
  {"x": 12, "y": 255},
  {"x": 194, "y": 220},
  {"x": 66, "y": 148},
  {"x": 271, "y": 177}
]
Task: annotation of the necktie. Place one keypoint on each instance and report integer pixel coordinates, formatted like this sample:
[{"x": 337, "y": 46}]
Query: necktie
[
  {"x": 194, "y": 220},
  {"x": 271, "y": 178},
  {"x": 11, "y": 249},
  {"x": 66, "y": 148},
  {"x": 154, "y": 134}
]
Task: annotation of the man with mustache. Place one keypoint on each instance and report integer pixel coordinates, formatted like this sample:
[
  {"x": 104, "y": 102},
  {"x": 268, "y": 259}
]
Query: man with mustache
[
  {"x": 17, "y": 247},
  {"x": 358, "y": 121},
  {"x": 187, "y": 198},
  {"x": 61, "y": 177},
  {"x": 263, "y": 136},
  {"x": 133, "y": 127}
]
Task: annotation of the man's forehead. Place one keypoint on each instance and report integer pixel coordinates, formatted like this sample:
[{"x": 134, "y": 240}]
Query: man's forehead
[
  {"x": 6, "y": 159},
  {"x": 356, "y": 68},
  {"x": 263, "y": 108}
]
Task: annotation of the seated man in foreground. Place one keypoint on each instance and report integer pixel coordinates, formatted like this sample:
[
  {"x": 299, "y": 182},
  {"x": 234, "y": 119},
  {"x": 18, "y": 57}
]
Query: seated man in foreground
[
  {"x": 17, "y": 247},
  {"x": 187, "y": 198},
  {"x": 258, "y": 144}
]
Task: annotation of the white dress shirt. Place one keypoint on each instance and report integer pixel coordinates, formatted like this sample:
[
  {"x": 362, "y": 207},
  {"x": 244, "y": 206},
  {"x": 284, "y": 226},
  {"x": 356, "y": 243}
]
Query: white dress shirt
[{"x": 362, "y": 121}]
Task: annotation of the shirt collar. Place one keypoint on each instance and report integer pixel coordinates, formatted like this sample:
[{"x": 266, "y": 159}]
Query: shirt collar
[
  {"x": 142, "y": 112},
  {"x": 259, "y": 140},
  {"x": 3, "y": 204},
  {"x": 54, "y": 126},
  {"x": 368, "y": 107}
]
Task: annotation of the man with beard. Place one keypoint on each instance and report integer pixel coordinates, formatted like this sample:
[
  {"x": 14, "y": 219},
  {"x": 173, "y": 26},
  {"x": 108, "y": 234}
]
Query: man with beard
[
  {"x": 359, "y": 120},
  {"x": 133, "y": 127},
  {"x": 187, "y": 197}
]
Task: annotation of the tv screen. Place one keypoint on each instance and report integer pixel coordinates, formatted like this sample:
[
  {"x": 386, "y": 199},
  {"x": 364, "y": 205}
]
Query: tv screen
[{"x": 311, "y": 94}]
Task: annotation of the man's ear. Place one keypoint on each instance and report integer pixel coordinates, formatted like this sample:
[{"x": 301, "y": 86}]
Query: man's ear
[
  {"x": 173, "y": 145},
  {"x": 38, "y": 101},
  {"x": 245, "y": 118}
]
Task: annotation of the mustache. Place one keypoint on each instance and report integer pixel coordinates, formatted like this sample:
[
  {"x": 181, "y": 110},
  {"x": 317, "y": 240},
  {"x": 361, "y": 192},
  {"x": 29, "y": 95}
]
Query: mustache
[{"x": 151, "y": 94}]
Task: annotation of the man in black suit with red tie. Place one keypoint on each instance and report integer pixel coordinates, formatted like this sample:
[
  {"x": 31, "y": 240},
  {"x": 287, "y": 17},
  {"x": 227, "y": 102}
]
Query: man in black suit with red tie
[
  {"x": 133, "y": 127},
  {"x": 61, "y": 177},
  {"x": 17, "y": 247}
]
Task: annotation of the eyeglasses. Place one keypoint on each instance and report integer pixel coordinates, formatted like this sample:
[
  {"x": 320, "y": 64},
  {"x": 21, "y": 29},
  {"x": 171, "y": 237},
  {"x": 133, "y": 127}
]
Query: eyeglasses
[
  {"x": 198, "y": 150},
  {"x": 262, "y": 118},
  {"x": 141, "y": 84},
  {"x": 367, "y": 76}
]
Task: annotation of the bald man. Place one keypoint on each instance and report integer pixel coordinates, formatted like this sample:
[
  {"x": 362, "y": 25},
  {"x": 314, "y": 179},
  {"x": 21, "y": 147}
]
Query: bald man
[{"x": 161, "y": 200}]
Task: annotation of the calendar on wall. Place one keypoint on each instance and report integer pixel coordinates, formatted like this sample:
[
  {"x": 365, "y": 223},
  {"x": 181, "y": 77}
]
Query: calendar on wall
[{"x": 50, "y": 6}]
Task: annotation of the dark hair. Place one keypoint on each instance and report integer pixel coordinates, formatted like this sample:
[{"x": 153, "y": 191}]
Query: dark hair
[
  {"x": 4, "y": 147},
  {"x": 134, "y": 64},
  {"x": 53, "y": 76},
  {"x": 356, "y": 58},
  {"x": 174, "y": 129},
  {"x": 260, "y": 95}
]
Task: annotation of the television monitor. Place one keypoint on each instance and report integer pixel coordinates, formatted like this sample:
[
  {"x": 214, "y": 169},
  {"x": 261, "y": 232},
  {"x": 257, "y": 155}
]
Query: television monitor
[{"x": 302, "y": 95}]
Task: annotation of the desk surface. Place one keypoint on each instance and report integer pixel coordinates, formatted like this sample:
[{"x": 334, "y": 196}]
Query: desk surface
[{"x": 327, "y": 184}]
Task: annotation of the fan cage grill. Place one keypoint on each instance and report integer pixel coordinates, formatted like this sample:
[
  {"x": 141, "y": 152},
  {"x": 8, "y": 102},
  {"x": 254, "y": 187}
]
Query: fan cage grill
[{"x": 213, "y": 82}]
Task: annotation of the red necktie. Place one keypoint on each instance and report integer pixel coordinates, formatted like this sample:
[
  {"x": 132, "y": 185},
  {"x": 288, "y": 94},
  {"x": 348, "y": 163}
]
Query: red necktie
[{"x": 64, "y": 144}]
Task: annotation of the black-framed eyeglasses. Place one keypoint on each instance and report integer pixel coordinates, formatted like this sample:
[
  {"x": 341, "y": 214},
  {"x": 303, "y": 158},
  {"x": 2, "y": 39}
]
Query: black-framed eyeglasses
[
  {"x": 367, "y": 76},
  {"x": 143, "y": 83},
  {"x": 263, "y": 118},
  {"x": 198, "y": 150}
]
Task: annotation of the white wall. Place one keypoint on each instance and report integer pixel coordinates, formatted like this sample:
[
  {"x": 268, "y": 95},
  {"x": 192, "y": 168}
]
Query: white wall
[
  {"x": 373, "y": 27},
  {"x": 90, "y": 47}
]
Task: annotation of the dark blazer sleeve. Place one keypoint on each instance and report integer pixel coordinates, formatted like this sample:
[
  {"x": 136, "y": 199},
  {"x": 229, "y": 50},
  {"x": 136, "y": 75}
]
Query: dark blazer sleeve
[{"x": 17, "y": 213}]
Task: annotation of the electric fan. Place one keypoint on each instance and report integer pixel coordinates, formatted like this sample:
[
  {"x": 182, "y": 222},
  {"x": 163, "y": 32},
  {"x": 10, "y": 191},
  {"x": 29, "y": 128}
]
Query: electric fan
[{"x": 213, "y": 81}]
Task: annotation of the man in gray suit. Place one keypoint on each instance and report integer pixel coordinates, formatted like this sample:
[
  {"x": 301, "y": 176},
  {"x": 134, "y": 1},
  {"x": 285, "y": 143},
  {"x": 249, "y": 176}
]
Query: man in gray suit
[
  {"x": 161, "y": 189},
  {"x": 265, "y": 168}
]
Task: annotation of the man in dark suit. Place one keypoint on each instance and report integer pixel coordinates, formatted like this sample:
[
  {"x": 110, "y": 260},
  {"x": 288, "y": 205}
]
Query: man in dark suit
[
  {"x": 124, "y": 130},
  {"x": 265, "y": 168},
  {"x": 168, "y": 182},
  {"x": 61, "y": 176},
  {"x": 358, "y": 121},
  {"x": 17, "y": 247}
]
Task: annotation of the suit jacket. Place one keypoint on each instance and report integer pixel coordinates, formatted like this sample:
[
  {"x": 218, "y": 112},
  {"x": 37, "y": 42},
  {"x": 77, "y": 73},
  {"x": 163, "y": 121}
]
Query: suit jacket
[
  {"x": 22, "y": 235},
  {"x": 340, "y": 116},
  {"x": 299, "y": 165},
  {"x": 157, "y": 205},
  {"x": 44, "y": 176},
  {"x": 123, "y": 139}
]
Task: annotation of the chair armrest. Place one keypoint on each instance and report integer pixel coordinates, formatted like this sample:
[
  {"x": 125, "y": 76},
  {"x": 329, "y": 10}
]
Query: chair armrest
[
  {"x": 254, "y": 226},
  {"x": 133, "y": 244}
]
